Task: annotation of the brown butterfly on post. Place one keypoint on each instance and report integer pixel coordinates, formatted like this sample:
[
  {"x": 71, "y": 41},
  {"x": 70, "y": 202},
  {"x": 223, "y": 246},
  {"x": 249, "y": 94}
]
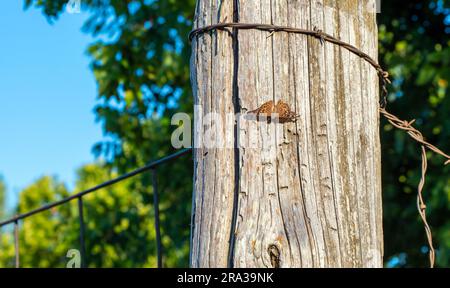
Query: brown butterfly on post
[{"x": 281, "y": 109}]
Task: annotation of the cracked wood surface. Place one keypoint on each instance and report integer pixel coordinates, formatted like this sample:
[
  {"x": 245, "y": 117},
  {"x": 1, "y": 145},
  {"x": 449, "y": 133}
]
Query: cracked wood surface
[{"x": 309, "y": 194}]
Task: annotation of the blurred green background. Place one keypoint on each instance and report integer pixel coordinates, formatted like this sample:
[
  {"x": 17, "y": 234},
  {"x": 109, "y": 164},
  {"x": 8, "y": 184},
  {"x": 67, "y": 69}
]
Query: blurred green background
[{"x": 141, "y": 65}]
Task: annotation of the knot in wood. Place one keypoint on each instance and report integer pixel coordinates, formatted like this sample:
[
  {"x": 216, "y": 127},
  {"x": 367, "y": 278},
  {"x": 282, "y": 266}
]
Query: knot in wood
[{"x": 274, "y": 254}]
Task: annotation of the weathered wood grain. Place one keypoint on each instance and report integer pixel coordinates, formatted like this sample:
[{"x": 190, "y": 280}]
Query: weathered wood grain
[
  {"x": 213, "y": 198},
  {"x": 304, "y": 194}
]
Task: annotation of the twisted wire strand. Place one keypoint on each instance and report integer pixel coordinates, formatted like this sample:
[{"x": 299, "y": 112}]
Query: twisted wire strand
[{"x": 317, "y": 33}]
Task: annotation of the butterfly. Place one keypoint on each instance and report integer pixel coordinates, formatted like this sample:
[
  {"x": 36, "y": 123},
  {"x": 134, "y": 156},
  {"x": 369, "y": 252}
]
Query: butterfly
[{"x": 285, "y": 114}]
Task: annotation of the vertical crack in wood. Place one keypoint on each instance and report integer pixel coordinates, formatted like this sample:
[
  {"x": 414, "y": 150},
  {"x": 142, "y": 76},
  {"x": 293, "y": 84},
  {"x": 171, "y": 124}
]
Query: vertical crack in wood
[{"x": 237, "y": 108}]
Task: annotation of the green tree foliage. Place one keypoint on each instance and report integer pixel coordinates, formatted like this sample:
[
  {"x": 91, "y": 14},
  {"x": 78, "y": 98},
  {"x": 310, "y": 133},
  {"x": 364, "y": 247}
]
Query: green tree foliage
[
  {"x": 141, "y": 65},
  {"x": 415, "y": 47},
  {"x": 119, "y": 225},
  {"x": 45, "y": 237}
]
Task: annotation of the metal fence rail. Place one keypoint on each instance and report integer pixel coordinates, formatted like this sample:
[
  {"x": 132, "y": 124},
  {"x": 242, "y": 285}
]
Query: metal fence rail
[{"x": 79, "y": 196}]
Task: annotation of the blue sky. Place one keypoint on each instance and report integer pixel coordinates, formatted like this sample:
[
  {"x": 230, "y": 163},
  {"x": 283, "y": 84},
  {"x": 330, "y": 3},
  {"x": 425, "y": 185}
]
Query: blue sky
[{"x": 47, "y": 95}]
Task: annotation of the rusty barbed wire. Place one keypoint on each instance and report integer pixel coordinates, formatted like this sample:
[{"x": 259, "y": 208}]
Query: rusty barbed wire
[
  {"x": 413, "y": 132},
  {"x": 317, "y": 33},
  {"x": 384, "y": 81},
  {"x": 421, "y": 207}
]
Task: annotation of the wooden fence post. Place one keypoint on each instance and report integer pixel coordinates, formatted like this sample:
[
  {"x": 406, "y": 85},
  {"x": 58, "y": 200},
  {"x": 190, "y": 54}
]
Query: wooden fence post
[{"x": 311, "y": 195}]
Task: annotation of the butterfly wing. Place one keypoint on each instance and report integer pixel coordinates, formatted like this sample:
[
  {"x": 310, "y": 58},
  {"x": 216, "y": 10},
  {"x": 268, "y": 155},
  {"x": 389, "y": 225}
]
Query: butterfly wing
[
  {"x": 285, "y": 113},
  {"x": 265, "y": 109}
]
